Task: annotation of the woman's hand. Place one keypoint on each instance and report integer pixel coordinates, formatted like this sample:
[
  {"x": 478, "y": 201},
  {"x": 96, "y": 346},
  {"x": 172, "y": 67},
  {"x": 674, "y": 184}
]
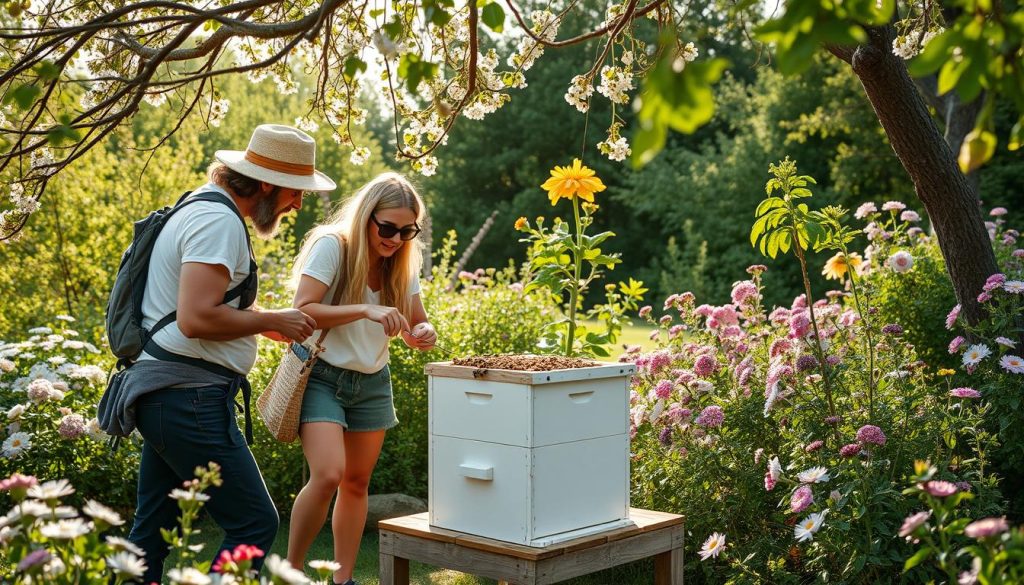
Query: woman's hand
[
  {"x": 389, "y": 317},
  {"x": 275, "y": 336},
  {"x": 422, "y": 337}
]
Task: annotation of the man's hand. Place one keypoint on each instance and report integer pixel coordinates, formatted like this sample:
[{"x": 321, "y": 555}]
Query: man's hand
[
  {"x": 275, "y": 336},
  {"x": 290, "y": 325}
]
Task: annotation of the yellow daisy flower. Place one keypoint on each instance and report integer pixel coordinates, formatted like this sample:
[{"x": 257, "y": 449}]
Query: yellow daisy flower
[
  {"x": 520, "y": 223},
  {"x": 572, "y": 181},
  {"x": 837, "y": 266}
]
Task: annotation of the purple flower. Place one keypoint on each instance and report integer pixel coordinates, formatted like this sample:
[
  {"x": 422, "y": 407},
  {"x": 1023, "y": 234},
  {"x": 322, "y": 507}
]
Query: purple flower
[
  {"x": 986, "y": 527},
  {"x": 706, "y": 365},
  {"x": 939, "y": 488},
  {"x": 912, "y": 522},
  {"x": 892, "y": 329},
  {"x": 964, "y": 393},
  {"x": 33, "y": 559},
  {"x": 871, "y": 435},
  {"x": 801, "y": 499},
  {"x": 832, "y": 420},
  {"x": 72, "y": 426},
  {"x": 952, "y": 317},
  {"x": 833, "y": 360},
  {"x": 712, "y": 416},
  {"x": 993, "y": 282},
  {"x": 814, "y": 446},
  {"x": 665, "y": 437},
  {"x": 849, "y": 451},
  {"x": 806, "y": 362}
]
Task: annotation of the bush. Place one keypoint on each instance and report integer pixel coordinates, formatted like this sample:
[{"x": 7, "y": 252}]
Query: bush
[
  {"x": 784, "y": 435},
  {"x": 49, "y": 387}
]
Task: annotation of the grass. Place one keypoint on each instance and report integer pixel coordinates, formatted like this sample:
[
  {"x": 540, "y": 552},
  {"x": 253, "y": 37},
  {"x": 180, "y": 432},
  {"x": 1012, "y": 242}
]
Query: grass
[
  {"x": 366, "y": 571},
  {"x": 631, "y": 335}
]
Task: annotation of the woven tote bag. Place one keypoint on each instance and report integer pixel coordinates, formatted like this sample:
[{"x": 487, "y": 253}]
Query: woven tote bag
[{"x": 281, "y": 401}]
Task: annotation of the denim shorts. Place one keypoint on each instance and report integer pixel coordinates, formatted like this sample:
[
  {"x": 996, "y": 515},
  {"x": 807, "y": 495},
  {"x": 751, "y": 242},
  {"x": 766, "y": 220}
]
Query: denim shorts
[{"x": 354, "y": 400}]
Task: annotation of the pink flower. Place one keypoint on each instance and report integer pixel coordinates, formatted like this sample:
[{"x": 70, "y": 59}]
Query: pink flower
[
  {"x": 865, "y": 210},
  {"x": 769, "y": 482},
  {"x": 910, "y": 216},
  {"x": 1018, "y": 253},
  {"x": 665, "y": 319},
  {"x": 664, "y": 389},
  {"x": 712, "y": 416},
  {"x": 644, "y": 311},
  {"x": 744, "y": 291},
  {"x": 72, "y": 426},
  {"x": 242, "y": 553},
  {"x": 779, "y": 346},
  {"x": 940, "y": 488},
  {"x": 814, "y": 446},
  {"x": 986, "y": 527},
  {"x": 952, "y": 317},
  {"x": 912, "y": 522},
  {"x": 1013, "y": 364},
  {"x": 901, "y": 261},
  {"x": 848, "y": 451},
  {"x": 871, "y": 435},
  {"x": 799, "y": 324},
  {"x": 756, "y": 269},
  {"x": 997, "y": 211},
  {"x": 984, "y": 297},
  {"x": 893, "y": 206},
  {"x": 706, "y": 365},
  {"x": 726, "y": 315},
  {"x": 801, "y": 499},
  {"x": 993, "y": 282},
  {"x": 18, "y": 481},
  {"x": 964, "y": 393},
  {"x": 956, "y": 344}
]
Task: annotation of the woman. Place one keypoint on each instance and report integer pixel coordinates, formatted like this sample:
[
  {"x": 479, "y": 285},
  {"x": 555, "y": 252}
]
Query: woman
[{"x": 348, "y": 404}]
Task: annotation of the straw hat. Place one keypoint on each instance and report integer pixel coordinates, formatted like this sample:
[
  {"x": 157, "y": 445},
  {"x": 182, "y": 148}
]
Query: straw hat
[{"x": 280, "y": 155}]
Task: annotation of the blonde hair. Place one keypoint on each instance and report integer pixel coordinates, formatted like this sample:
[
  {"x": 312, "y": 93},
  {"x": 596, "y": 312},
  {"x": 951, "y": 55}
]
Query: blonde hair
[{"x": 350, "y": 220}]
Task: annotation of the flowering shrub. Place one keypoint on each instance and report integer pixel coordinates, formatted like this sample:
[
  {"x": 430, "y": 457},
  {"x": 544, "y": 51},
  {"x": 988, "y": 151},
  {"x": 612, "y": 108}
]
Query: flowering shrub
[
  {"x": 46, "y": 541},
  {"x": 49, "y": 386},
  {"x": 782, "y": 433},
  {"x": 989, "y": 551}
]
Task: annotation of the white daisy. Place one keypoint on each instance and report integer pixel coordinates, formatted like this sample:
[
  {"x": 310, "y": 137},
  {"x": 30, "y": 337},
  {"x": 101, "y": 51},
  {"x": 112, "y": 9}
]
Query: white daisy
[
  {"x": 321, "y": 565},
  {"x": 189, "y": 496},
  {"x": 813, "y": 475},
  {"x": 1014, "y": 286},
  {"x": 1012, "y": 363},
  {"x": 118, "y": 543},
  {"x": 188, "y": 576},
  {"x": 125, "y": 564},
  {"x": 976, "y": 353},
  {"x": 51, "y": 490},
  {"x": 775, "y": 468},
  {"x": 102, "y": 513},
  {"x": 712, "y": 546},
  {"x": 15, "y": 444},
  {"x": 808, "y": 526},
  {"x": 284, "y": 570},
  {"x": 68, "y": 529}
]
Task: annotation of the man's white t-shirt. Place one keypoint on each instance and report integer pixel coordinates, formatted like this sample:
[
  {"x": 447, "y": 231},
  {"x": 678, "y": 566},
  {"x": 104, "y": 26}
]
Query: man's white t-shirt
[
  {"x": 209, "y": 233},
  {"x": 361, "y": 345}
]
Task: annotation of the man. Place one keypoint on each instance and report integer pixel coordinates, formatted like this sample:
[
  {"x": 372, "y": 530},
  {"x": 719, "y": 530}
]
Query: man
[{"x": 199, "y": 301}]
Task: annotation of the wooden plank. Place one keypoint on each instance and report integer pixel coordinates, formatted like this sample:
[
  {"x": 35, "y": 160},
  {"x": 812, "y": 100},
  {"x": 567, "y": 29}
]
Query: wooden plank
[
  {"x": 603, "y": 370},
  {"x": 509, "y": 549},
  {"x": 668, "y": 567},
  {"x": 611, "y": 554},
  {"x": 417, "y": 525},
  {"x": 393, "y": 571},
  {"x": 464, "y": 559}
]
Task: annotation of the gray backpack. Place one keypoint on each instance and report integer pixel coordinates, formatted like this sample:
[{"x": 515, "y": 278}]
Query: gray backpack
[{"x": 125, "y": 333}]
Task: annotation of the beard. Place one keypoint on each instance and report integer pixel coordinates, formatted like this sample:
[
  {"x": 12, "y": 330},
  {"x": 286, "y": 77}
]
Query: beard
[{"x": 266, "y": 218}]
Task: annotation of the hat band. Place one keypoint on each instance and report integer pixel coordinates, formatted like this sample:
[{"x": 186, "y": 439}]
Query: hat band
[{"x": 277, "y": 165}]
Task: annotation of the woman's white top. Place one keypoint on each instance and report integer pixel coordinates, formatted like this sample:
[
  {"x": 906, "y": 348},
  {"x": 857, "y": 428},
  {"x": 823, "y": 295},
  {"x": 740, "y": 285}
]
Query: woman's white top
[{"x": 360, "y": 345}]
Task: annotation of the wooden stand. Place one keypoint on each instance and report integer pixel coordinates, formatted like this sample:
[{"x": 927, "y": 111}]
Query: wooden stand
[{"x": 655, "y": 534}]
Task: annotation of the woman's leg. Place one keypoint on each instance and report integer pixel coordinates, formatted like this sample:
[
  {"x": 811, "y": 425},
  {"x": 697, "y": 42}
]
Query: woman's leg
[
  {"x": 323, "y": 445},
  {"x": 361, "y": 452}
]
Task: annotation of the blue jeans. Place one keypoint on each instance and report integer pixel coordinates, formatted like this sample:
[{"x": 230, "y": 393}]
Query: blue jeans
[{"x": 184, "y": 428}]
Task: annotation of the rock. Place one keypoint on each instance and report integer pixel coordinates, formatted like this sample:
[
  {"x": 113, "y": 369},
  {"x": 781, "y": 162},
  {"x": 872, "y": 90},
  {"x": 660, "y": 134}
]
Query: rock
[{"x": 384, "y": 506}]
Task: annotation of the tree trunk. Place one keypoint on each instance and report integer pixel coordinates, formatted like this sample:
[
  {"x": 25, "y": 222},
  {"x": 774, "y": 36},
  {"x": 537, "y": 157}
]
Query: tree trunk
[{"x": 952, "y": 204}]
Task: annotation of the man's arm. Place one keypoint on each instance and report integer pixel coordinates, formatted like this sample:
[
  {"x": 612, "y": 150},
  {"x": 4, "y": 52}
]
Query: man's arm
[{"x": 203, "y": 315}]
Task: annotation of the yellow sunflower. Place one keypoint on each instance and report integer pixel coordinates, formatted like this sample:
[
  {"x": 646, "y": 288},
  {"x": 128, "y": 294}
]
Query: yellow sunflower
[
  {"x": 572, "y": 181},
  {"x": 837, "y": 266}
]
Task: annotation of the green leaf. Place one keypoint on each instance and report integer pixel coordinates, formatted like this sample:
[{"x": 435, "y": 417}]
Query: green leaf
[
  {"x": 47, "y": 71},
  {"x": 919, "y": 557},
  {"x": 353, "y": 66},
  {"x": 415, "y": 70},
  {"x": 493, "y": 16},
  {"x": 24, "y": 96}
]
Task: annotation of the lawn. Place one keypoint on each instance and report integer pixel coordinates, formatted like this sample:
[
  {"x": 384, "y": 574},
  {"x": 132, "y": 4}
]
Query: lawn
[{"x": 637, "y": 573}]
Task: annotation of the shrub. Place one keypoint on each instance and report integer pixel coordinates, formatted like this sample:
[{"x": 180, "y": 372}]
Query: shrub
[
  {"x": 782, "y": 434},
  {"x": 49, "y": 387}
]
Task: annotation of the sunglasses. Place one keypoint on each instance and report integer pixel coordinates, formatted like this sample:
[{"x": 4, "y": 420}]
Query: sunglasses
[{"x": 387, "y": 230}]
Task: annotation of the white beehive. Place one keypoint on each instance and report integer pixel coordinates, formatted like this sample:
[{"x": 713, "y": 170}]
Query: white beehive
[{"x": 529, "y": 457}]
